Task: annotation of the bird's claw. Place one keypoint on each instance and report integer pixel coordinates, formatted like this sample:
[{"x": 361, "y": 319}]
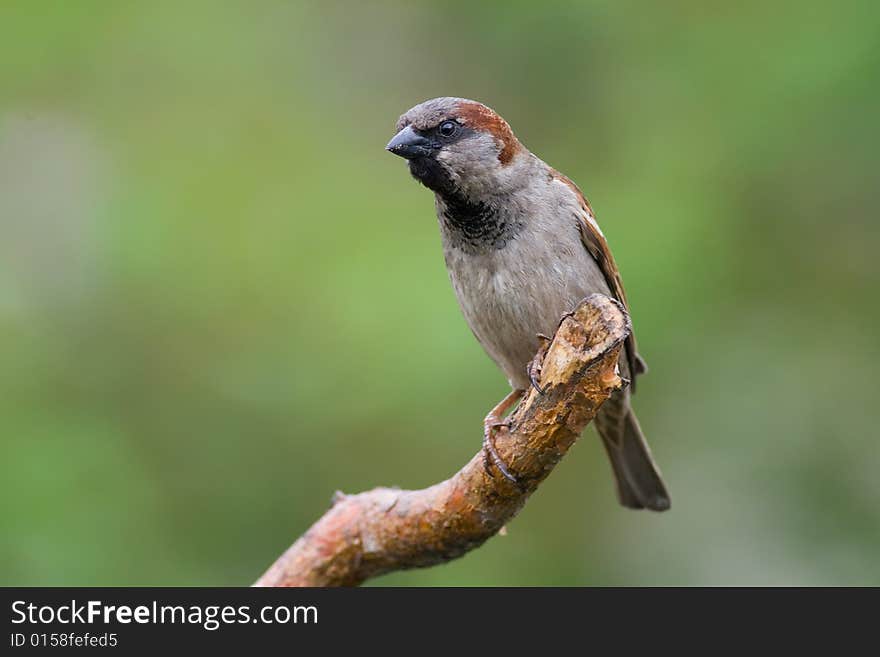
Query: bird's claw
[
  {"x": 533, "y": 370},
  {"x": 534, "y": 381},
  {"x": 491, "y": 454}
]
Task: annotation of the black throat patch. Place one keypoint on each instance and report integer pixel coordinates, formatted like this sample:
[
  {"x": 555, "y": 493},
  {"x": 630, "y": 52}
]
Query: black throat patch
[
  {"x": 470, "y": 225},
  {"x": 475, "y": 226}
]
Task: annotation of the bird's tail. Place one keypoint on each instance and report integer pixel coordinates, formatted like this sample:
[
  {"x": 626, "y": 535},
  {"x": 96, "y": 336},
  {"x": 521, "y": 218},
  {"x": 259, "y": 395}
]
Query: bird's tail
[{"x": 639, "y": 482}]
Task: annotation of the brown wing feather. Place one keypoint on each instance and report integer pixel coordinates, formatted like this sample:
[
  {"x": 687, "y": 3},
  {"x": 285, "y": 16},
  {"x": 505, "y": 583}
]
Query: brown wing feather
[{"x": 595, "y": 243}]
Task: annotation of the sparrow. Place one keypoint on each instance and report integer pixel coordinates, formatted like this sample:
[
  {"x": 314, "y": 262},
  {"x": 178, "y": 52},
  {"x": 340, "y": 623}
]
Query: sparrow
[{"x": 522, "y": 248}]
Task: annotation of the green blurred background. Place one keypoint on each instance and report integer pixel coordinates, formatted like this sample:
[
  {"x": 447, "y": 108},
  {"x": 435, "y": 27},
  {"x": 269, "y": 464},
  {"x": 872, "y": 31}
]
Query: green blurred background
[{"x": 221, "y": 300}]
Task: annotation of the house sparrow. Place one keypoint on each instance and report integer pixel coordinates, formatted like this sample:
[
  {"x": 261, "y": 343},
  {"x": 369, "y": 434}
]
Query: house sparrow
[{"x": 522, "y": 248}]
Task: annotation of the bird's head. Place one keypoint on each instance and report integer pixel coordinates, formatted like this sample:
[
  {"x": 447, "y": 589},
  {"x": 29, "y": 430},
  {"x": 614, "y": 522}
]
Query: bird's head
[{"x": 458, "y": 146}]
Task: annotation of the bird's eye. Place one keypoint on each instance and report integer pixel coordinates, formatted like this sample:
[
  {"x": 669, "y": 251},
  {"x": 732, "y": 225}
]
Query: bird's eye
[{"x": 447, "y": 128}]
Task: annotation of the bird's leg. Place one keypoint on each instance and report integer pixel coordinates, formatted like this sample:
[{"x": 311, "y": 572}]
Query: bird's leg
[{"x": 495, "y": 420}]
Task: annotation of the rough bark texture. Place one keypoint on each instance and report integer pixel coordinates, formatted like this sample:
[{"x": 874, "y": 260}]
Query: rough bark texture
[{"x": 387, "y": 529}]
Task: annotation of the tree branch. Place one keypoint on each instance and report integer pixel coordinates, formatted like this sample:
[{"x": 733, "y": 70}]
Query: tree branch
[{"x": 387, "y": 529}]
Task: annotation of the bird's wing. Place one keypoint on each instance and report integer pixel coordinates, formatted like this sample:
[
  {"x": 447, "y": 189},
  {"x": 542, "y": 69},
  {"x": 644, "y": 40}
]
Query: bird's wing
[{"x": 595, "y": 243}]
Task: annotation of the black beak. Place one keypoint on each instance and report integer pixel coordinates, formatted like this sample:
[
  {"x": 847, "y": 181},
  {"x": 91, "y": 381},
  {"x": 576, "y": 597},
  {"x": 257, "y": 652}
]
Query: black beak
[{"x": 409, "y": 144}]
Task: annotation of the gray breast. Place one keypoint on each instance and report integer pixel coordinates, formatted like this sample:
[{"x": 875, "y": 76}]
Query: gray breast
[{"x": 514, "y": 288}]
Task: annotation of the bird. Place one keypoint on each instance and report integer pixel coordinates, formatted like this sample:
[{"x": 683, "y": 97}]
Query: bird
[{"x": 522, "y": 248}]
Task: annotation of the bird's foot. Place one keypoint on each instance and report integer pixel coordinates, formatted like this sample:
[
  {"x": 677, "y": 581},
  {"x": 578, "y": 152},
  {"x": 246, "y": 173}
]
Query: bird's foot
[
  {"x": 533, "y": 370},
  {"x": 490, "y": 453},
  {"x": 533, "y": 367},
  {"x": 494, "y": 421}
]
